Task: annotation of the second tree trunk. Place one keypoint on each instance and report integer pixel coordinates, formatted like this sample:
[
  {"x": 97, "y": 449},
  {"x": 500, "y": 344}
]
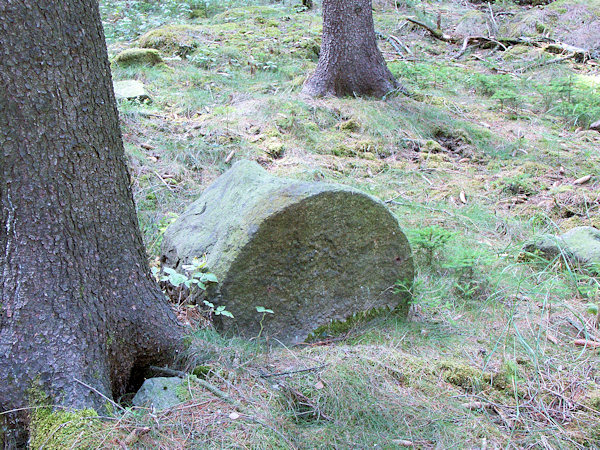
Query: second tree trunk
[{"x": 350, "y": 62}]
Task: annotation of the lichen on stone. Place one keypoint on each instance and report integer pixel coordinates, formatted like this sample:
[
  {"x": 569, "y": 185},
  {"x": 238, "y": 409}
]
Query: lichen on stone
[
  {"x": 138, "y": 56},
  {"x": 179, "y": 40}
]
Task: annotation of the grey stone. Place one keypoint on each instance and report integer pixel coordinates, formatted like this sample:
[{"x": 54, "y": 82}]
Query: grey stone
[
  {"x": 595, "y": 126},
  {"x": 581, "y": 244},
  {"x": 130, "y": 90},
  {"x": 159, "y": 393},
  {"x": 138, "y": 56},
  {"x": 312, "y": 252}
]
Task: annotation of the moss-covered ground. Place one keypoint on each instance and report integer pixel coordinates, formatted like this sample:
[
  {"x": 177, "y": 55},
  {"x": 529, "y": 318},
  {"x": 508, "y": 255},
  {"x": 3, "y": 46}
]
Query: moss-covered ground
[{"x": 482, "y": 158}]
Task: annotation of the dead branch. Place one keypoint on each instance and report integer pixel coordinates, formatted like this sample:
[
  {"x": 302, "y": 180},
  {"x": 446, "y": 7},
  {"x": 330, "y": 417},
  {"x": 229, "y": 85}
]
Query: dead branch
[
  {"x": 291, "y": 372},
  {"x": 586, "y": 343},
  {"x": 480, "y": 41},
  {"x": 435, "y": 33},
  {"x": 403, "y": 45},
  {"x": 547, "y": 45},
  {"x": 396, "y": 43},
  {"x": 546, "y": 63}
]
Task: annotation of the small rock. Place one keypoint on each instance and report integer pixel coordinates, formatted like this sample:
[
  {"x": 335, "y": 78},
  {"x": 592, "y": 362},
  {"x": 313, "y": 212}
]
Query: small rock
[
  {"x": 350, "y": 125},
  {"x": 138, "y": 56},
  {"x": 130, "y": 90},
  {"x": 158, "y": 393},
  {"x": 581, "y": 244},
  {"x": 595, "y": 126}
]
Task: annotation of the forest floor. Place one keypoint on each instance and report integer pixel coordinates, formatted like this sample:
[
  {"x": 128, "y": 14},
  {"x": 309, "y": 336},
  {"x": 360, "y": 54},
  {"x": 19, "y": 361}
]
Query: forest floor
[{"x": 488, "y": 153}]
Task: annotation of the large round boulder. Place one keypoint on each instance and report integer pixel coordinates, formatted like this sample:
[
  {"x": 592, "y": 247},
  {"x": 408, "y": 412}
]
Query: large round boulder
[{"x": 311, "y": 252}]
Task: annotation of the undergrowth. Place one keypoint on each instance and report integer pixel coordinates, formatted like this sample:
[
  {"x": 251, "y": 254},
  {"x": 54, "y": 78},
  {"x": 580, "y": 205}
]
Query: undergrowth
[{"x": 482, "y": 157}]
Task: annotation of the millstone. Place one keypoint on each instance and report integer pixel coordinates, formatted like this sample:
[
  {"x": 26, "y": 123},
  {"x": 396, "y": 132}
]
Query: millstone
[{"x": 311, "y": 252}]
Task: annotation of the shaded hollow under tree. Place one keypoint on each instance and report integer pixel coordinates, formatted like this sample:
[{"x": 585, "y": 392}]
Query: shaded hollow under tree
[
  {"x": 350, "y": 62},
  {"x": 77, "y": 300}
]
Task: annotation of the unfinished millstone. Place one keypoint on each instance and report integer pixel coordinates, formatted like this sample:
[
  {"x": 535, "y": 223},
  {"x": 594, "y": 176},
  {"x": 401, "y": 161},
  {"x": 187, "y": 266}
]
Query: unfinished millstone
[{"x": 311, "y": 252}]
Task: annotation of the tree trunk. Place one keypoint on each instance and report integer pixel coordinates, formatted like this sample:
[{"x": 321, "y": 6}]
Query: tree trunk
[
  {"x": 350, "y": 62},
  {"x": 77, "y": 301}
]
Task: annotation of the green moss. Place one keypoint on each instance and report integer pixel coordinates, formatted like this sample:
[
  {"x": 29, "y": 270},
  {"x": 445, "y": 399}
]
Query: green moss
[
  {"x": 562, "y": 5},
  {"x": 181, "y": 40},
  {"x": 202, "y": 372},
  {"x": 63, "y": 429},
  {"x": 275, "y": 148},
  {"x": 184, "y": 389},
  {"x": 593, "y": 400},
  {"x": 460, "y": 374},
  {"x": 364, "y": 148},
  {"x": 467, "y": 377},
  {"x": 350, "y": 125},
  {"x": 433, "y": 147},
  {"x": 198, "y": 13},
  {"x": 520, "y": 183},
  {"x": 138, "y": 56},
  {"x": 258, "y": 13},
  {"x": 338, "y": 327}
]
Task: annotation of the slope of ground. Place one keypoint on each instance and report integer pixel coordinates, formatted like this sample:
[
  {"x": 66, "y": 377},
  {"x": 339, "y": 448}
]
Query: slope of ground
[{"x": 484, "y": 156}]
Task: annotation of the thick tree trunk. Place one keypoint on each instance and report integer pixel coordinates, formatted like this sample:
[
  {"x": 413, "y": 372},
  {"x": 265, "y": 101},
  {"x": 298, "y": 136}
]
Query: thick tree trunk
[
  {"x": 77, "y": 301},
  {"x": 350, "y": 62}
]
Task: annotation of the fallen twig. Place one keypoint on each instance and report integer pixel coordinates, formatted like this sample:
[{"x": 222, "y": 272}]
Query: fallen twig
[
  {"x": 291, "y": 372},
  {"x": 546, "y": 63},
  {"x": 399, "y": 42},
  {"x": 229, "y": 156},
  {"x": 93, "y": 389},
  {"x": 586, "y": 343},
  {"x": 435, "y": 33}
]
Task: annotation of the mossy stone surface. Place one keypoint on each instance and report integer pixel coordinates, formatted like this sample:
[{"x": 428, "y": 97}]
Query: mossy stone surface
[
  {"x": 138, "y": 56},
  {"x": 130, "y": 90},
  {"x": 581, "y": 244},
  {"x": 181, "y": 40},
  {"x": 159, "y": 393},
  {"x": 311, "y": 252}
]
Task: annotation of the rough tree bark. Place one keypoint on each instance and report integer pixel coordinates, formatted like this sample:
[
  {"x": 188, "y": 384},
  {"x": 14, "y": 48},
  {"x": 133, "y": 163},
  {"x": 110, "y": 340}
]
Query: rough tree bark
[
  {"x": 77, "y": 301},
  {"x": 350, "y": 62}
]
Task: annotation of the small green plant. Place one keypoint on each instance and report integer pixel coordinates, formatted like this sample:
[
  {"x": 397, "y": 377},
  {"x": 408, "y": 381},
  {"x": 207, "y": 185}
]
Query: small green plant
[
  {"x": 264, "y": 311},
  {"x": 217, "y": 311},
  {"x": 507, "y": 98},
  {"x": 520, "y": 183},
  {"x": 430, "y": 241},
  {"x": 187, "y": 285},
  {"x": 269, "y": 66},
  {"x": 158, "y": 234},
  {"x": 469, "y": 284}
]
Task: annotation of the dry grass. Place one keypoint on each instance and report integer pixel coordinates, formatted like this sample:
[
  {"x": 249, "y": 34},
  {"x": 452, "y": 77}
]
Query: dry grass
[{"x": 486, "y": 359}]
